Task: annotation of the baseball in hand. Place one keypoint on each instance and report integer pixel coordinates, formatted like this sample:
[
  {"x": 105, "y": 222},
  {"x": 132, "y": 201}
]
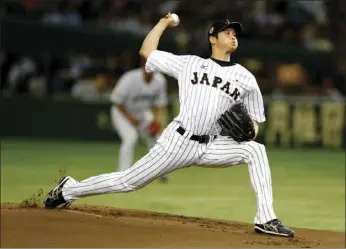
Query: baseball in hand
[{"x": 175, "y": 19}]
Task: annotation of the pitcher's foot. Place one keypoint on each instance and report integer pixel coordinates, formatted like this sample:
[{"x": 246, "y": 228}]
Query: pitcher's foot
[
  {"x": 274, "y": 227},
  {"x": 54, "y": 198}
]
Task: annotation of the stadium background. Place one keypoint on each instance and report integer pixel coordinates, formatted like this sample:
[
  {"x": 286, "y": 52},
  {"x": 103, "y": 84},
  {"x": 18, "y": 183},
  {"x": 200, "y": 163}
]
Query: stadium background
[{"x": 60, "y": 59}]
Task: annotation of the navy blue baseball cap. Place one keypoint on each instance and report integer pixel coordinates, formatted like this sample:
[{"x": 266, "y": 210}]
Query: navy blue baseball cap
[{"x": 221, "y": 25}]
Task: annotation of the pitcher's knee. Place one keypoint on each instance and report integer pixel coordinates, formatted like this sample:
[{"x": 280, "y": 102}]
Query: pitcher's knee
[
  {"x": 132, "y": 185},
  {"x": 260, "y": 147},
  {"x": 124, "y": 180},
  {"x": 131, "y": 181},
  {"x": 255, "y": 150}
]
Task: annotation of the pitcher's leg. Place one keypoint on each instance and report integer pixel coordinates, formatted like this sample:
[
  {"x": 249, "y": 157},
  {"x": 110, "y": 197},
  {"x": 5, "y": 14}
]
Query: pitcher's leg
[
  {"x": 260, "y": 177},
  {"x": 170, "y": 153},
  {"x": 150, "y": 140},
  {"x": 224, "y": 152},
  {"x": 148, "y": 168}
]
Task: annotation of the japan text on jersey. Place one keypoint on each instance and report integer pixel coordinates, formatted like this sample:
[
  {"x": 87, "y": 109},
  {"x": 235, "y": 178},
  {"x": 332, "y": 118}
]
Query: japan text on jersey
[{"x": 207, "y": 89}]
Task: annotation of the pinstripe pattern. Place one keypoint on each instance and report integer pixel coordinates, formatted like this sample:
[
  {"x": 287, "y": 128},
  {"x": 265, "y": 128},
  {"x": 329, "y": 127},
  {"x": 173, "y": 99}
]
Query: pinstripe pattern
[
  {"x": 206, "y": 90},
  {"x": 223, "y": 152},
  {"x": 201, "y": 103},
  {"x": 171, "y": 152}
]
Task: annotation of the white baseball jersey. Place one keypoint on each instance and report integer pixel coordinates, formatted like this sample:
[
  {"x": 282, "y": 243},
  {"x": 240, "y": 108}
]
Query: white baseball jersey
[
  {"x": 207, "y": 89},
  {"x": 138, "y": 96}
]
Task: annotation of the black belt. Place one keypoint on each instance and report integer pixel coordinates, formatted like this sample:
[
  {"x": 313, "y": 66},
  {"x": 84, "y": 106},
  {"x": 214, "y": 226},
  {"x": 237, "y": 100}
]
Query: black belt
[{"x": 201, "y": 139}]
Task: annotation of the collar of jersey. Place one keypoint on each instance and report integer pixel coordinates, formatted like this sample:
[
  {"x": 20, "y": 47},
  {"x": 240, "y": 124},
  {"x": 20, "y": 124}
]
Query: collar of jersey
[{"x": 223, "y": 63}]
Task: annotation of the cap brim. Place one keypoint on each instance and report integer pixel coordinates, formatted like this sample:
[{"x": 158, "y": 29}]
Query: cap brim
[{"x": 238, "y": 28}]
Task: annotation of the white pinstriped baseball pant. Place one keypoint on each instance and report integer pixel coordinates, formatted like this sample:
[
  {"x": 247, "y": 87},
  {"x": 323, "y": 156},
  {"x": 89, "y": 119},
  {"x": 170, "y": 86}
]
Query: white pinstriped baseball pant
[{"x": 174, "y": 151}]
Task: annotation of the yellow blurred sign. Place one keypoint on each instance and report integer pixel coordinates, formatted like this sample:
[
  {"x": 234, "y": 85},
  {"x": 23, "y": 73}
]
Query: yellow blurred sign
[
  {"x": 332, "y": 122},
  {"x": 278, "y": 118},
  {"x": 304, "y": 124}
]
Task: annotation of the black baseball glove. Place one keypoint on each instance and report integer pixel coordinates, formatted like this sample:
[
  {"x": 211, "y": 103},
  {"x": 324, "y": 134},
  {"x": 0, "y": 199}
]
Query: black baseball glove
[{"x": 237, "y": 123}]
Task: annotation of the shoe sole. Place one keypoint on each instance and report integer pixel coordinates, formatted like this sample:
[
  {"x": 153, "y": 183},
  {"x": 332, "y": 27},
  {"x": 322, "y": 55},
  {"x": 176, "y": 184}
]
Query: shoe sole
[
  {"x": 260, "y": 230},
  {"x": 62, "y": 181}
]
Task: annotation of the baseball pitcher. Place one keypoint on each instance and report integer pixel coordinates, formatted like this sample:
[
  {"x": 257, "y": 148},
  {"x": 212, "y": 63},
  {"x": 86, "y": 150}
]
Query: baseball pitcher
[{"x": 220, "y": 107}]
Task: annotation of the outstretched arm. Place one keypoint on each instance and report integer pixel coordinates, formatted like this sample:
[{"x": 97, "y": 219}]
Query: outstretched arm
[{"x": 151, "y": 41}]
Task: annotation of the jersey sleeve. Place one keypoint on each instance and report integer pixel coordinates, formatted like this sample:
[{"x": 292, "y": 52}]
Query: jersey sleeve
[
  {"x": 254, "y": 103},
  {"x": 166, "y": 63},
  {"x": 119, "y": 93},
  {"x": 161, "y": 97}
]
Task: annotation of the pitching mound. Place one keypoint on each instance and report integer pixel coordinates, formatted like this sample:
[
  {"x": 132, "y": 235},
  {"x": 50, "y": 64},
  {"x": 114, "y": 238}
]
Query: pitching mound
[{"x": 88, "y": 226}]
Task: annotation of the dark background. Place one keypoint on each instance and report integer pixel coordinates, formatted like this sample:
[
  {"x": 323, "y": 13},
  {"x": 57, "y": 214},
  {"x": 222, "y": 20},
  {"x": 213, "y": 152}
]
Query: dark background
[{"x": 55, "y": 53}]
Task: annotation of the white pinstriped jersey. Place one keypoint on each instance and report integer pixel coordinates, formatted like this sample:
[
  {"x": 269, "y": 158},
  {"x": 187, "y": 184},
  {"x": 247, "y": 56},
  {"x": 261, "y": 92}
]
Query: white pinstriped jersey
[
  {"x": 136, "y": 95},
  {"x": 207, "y": 89}
]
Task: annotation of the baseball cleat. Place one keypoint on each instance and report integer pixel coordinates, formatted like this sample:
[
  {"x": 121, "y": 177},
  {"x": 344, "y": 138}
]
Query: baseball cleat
[
  {"x": 274, "y": 227},
  {"x": 54, "y": 198}
]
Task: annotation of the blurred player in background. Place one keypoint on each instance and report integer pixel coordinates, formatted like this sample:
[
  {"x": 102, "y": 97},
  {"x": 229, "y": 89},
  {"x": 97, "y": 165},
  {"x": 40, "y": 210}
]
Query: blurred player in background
[{"x": 138, "y": 100}]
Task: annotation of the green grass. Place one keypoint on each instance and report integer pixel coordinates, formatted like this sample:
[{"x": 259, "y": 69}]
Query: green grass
[{"x": 309, "y": 186}]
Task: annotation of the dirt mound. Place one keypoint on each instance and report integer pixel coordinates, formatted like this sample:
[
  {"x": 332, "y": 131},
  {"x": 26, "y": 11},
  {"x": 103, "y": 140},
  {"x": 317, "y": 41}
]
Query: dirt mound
[{"x": 90, "y": 226}]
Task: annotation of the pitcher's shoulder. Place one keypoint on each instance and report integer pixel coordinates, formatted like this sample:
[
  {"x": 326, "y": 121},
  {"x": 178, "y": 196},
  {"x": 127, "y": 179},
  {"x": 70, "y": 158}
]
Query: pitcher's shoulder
[
  {"x": 244, "y": 73},
  {"x": 197, "y": 59},
  {"x": 244, "y": 70}
]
